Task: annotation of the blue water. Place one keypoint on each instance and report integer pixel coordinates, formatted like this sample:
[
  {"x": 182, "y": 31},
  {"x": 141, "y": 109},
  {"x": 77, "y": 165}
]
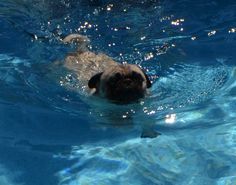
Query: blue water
[{"x": 54, "y": 135}]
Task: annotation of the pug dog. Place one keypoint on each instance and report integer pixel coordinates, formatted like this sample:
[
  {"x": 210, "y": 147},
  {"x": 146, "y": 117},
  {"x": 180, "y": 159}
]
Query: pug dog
[
  {"x": 102, "y": 76},
  {"x": 98, "y": 75}
]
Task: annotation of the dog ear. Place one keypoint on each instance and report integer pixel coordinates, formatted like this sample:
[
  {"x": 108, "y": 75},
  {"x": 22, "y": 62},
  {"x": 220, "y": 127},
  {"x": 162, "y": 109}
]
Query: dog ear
[
  {"x": 148, "y": 81},
  {"x": 92, "y": 83},
  {"x": 149, "y": 84}
]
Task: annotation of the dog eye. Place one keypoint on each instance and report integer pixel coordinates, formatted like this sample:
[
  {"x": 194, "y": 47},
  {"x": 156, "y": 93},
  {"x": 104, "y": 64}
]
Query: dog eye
[
  {"x": 117, "y": 76},
  {"x": 137, "y": 76}
]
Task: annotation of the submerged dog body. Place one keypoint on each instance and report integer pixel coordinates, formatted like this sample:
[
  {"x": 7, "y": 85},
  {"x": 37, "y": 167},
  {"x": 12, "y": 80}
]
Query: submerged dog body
[{"x": 102, "y": 76}]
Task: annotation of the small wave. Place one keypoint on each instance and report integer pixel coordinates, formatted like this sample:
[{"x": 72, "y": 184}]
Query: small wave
[
  {"x": 188, "y": 84},
  {"x": 162, "y": 40}
]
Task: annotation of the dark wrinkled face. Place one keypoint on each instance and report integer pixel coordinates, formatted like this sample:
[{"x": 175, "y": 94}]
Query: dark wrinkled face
[{"x": 123, "y": 84}]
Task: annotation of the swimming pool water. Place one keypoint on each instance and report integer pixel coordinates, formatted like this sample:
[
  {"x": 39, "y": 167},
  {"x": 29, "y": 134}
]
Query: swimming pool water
[{"x": 51, "y": 133}]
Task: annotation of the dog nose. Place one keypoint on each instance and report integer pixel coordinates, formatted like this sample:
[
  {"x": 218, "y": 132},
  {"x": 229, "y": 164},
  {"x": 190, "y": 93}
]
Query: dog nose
[{"x": 127, "y": 82}]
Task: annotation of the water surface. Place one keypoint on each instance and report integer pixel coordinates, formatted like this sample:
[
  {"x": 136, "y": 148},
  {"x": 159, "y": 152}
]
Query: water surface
[{"x": 50, "y": 134}]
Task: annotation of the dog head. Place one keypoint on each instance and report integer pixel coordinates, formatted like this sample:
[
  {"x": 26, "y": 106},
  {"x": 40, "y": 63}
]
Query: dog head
[{"x": 123, "y": 83}]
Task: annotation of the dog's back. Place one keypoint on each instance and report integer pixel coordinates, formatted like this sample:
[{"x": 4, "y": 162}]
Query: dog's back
[{"x": 86, "y": 64}]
